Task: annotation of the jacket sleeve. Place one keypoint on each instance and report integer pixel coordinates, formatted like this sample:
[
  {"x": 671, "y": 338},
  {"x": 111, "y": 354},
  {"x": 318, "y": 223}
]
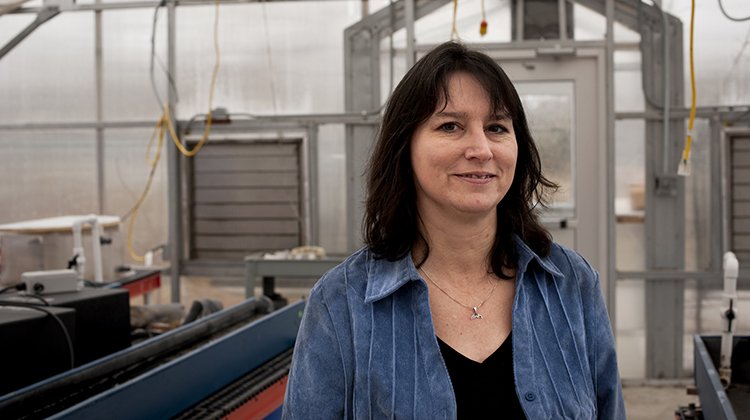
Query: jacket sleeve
[
  {"x": 316, "y": 388},
  {"x": 603, "y": 358}
]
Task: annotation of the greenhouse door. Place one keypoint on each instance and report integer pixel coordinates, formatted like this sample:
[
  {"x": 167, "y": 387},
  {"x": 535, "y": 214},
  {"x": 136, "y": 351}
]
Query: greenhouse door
[{"x": 564, "y": 100}]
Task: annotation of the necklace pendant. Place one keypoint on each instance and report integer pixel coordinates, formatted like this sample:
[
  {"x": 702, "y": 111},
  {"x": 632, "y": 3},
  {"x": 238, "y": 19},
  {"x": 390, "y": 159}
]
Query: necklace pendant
[{"x": 476, "y": 315}]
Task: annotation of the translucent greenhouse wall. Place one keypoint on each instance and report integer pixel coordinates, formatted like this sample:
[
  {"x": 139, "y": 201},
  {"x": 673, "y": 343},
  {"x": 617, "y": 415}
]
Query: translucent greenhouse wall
[{"x": 287, "y": 58}]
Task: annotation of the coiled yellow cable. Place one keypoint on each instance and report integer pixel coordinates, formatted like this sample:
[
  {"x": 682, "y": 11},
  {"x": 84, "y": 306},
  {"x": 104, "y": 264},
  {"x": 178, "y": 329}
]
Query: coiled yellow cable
[
  {"x": 165, "y": 124},
  {"x": 211, "y": 89}
]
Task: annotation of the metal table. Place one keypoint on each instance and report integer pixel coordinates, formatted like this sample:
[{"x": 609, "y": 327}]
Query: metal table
[{"x": 257, "y": 267}]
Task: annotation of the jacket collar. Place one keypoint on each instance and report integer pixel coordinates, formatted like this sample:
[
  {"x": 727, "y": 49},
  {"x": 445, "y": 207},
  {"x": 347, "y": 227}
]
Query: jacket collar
[
  {"x": 385, "y": 277},
  {"x": 526, "y": 255}
]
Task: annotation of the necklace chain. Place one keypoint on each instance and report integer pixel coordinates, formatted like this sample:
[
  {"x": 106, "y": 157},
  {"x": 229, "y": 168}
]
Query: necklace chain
[{"x": 475, "y": 309}]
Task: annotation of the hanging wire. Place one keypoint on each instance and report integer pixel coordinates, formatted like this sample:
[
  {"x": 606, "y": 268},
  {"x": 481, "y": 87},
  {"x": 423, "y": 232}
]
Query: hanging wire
[
  {"x": 153, "y": 163},
  {"x": 209, "y": 119},
  {"x": 166, "y": 125},
  {"x": 724, "y": 12},
  {"x": 156, "y": 58},
  {"x": 454, "y": 31},
  {"x": 645, "y": 80},
  {"x": 684, "y": 167},
  {"x": 736, "y": 61},
  {"x": 133, "y": 212},
  {"x": 483, "y": 23}
]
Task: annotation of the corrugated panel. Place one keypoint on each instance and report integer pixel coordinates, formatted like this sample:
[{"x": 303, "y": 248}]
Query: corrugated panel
[
  {"x": 245, "y": 164},
  {"x": 247, "y": 179},
  {"x": 741, "y": 224},
  {"x": 246, "y": 199},
  {"x": 230, "y": 149},
  {"x": 231, "y": 227},
  {"x": 246, "y": 195},
  {"x": 741, "y": 242},
  {"x": 250, "y": 211},
  {"x": 741, "y": 159},
  {"x": 740, "y": 145},
  {"x": 741, "y": 191},
  {"x": 245, "y": 242},
  {"x": 741, "y": 175},
  {"x": 740, "y": 170},
  {"x": 741, "y": 209}
]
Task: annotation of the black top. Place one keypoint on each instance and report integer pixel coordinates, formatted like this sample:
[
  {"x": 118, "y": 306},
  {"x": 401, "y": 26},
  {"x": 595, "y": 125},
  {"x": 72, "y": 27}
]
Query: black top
[{"x": 487, "y": 389}]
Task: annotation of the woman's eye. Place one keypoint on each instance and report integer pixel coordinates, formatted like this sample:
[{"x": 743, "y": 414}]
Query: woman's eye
[
  {"x": 497, "y": 129},
  {"x": 448, "y": 127}
]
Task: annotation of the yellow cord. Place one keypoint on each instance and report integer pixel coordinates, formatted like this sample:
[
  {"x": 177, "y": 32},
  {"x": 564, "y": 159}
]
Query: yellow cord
[
  {"x": 162, "y": 126},
  {"x": 134, "y": 211},
  {"x": 483, "y": 23},
  {"x": 454, "y": 31},
  {"x": 689, "y": 139},
  {"x": 209, "y": 119}
]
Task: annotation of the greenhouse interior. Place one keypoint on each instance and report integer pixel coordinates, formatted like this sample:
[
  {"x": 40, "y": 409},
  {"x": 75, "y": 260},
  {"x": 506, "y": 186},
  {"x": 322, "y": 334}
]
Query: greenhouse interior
[{"x": 198, "y": 196}]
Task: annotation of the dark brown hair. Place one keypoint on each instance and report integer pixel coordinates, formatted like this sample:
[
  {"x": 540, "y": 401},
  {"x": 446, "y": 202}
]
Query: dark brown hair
[{"x": 391, "y": 223}]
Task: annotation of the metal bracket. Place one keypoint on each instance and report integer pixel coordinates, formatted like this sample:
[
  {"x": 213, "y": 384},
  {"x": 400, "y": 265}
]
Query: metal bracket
[
  {"x": 666, "y": 185},
  {"x": 44, "y": 15}
]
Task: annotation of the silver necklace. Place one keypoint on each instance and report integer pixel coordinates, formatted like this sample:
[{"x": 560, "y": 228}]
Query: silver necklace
[{"x": 475, "y": 309}]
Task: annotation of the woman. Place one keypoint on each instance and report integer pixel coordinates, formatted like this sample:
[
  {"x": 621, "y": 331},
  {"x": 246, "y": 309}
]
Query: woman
[{"x": 418, "y": 323}]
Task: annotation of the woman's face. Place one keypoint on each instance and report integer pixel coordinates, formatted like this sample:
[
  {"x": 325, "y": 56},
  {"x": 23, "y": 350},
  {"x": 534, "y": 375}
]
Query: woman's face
[{"x": 463, "y": 156}]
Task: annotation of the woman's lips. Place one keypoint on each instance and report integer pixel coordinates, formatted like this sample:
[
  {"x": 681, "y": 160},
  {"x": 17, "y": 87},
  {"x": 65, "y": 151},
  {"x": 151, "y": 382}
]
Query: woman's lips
[{"x": 476, "y": 177}]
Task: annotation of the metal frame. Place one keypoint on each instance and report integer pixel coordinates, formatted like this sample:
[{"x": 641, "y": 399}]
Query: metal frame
[
  {"x": 714, "y": 400},
  {"x": 362, "y": 90},
  {"x": 258, "y": 268},
  {"x": 188, "y": 379},
  {"x": 42, "y": 16},
  {"x": 726, "y": 136}
]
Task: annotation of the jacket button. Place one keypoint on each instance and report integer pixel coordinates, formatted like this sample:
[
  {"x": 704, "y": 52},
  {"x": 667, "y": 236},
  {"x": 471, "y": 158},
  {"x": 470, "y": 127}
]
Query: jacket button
[{"x": 530, "y": 396}]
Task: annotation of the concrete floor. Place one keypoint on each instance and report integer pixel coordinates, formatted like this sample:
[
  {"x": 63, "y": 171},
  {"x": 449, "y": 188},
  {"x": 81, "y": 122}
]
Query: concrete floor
[
  {"x": 643, "y": 400},
  {"x": 655, "y": 402}
]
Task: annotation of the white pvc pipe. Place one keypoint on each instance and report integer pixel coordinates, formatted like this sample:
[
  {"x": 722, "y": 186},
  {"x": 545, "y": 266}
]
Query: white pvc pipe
[
  {"x": 96, "y": 233},
  {"x": 80, "y": 258},
  {"x": 96, "y": 239},
  {"x": 731, "y": 272}
]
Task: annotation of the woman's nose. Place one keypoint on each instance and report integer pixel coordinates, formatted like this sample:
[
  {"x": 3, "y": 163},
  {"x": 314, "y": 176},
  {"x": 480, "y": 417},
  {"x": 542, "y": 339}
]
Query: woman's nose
[{"x": 478, "y": 145}]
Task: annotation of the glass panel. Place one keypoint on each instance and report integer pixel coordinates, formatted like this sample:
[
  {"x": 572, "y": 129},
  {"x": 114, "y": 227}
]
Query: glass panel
[
  {"x": 276, "y": 58},
  {"x": 631, "y": 328},
  {"x": 721, "y": 55},
  {"x": 126, "y": 173},
  {"x": 628, "y": 82},
  {"x": 49, "y": 76},
  {"x": 332, "y": 189},
  {"x": 630, "y": 167},
  {"x": 436, "y": 27},
  {"x": 47, "y": 173},
  {"x": 550, "y": 111},
  {"x": 127, "y": 92},
  {"x": 588, "y": 24}
]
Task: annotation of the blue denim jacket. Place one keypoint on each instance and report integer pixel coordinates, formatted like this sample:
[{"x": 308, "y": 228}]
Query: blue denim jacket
[{"x": 366, "y": 347}]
